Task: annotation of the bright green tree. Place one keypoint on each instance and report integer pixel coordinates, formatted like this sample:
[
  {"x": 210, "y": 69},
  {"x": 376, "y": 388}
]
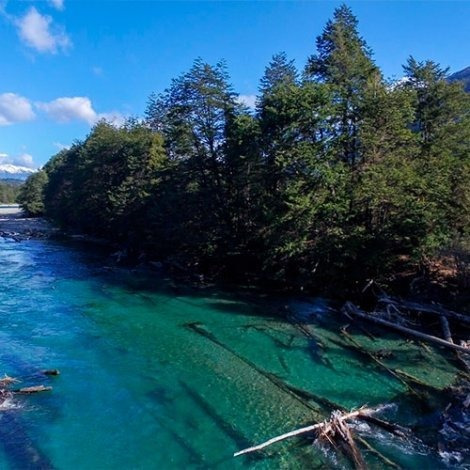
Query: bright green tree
[{"x": 31, "y": 197}]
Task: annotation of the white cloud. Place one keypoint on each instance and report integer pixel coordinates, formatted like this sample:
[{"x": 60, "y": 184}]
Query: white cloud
[
  {"x": 24, "y": 160},
  {"x": 14, "y": 108},
  {"x": 247, "y": 100},
  {"x": 57, "y": 4},
  {"x": 38, "y": 32},
  {"x": 78, "y": 108}
]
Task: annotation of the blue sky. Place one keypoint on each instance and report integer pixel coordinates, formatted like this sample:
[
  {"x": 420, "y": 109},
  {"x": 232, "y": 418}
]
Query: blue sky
[{"x": 67, "y": 63}]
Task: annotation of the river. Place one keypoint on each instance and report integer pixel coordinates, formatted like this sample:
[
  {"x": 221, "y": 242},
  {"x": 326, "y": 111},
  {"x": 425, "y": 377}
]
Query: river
[{"x": 156, "y": 375}]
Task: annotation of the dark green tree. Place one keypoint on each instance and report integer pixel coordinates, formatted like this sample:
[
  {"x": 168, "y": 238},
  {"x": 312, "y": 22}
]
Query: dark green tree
[
  {"x": 195, "y": 116},
  {"x": 344, "y": 61}
]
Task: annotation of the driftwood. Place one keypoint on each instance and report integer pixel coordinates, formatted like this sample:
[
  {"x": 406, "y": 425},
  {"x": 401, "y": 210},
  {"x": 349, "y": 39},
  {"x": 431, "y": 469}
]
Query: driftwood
[
  {"x": 448, "y": 337},
  {"x": 297, "y": 432},
  {"x": 30, "y": 390},
  {"x": 446, "y": 329},
  {"x": 323, "y": 429},
  {"x": 425, "y": 308},
  {"x": 337, "y": 428},
  {"x": 353, "y": 310},
  {"x": 336, "y": 432},
  {"x": 6, "y": 381}
]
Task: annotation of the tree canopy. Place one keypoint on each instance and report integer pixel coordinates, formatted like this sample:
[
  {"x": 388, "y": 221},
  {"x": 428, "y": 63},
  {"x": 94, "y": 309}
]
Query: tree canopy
[{"x": 337, "y": 176}]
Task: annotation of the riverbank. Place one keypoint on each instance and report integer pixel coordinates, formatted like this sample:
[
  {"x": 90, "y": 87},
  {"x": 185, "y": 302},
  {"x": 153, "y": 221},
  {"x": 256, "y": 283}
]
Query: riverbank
[{"x": 14, "y": 224}]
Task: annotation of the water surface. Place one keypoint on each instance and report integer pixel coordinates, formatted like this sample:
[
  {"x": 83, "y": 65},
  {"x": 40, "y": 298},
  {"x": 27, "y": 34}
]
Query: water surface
[{"x": 160, "y": 376}]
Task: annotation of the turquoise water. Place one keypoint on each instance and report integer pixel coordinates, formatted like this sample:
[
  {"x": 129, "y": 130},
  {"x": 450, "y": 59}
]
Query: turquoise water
[{"x": 160, "y": 376}]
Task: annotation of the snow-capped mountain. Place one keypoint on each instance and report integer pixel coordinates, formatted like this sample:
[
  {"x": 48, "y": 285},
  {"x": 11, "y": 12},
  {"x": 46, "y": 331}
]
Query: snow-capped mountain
[{"x": 15, "y": 172}]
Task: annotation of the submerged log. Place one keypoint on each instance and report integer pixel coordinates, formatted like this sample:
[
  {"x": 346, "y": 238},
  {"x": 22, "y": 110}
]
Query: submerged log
[
  {"x": 353, "y": 310},
  {"x": 274, "y": 379},
  {"x": 378, "y": 454},
  {"x": 51, "y": 372},
  {"x": 390, "y": 371}
]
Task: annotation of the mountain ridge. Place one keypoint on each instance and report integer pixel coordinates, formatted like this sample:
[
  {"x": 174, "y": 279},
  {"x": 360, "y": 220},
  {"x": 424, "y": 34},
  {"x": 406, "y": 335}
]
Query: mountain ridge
[{"x": 8, "y": 171}]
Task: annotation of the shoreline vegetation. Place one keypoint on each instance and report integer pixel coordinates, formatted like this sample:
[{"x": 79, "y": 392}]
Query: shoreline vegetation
[
  {"x": 337, "y": 178},
  {"x": 9, "y": 191}
]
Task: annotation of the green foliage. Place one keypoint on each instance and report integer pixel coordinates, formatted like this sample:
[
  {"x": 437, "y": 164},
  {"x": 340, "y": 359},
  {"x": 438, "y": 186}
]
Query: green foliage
[
  {"x": 31, "y": 197},
  {"x": 344, "y": 61},
  {"x": 334, "y": 178},
  {"x": 9, "y": 190},
  {"x": 101, "y": 185}
]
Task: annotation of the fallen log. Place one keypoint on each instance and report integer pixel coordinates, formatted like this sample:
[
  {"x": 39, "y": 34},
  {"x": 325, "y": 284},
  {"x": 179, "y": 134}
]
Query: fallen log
[
  {"x": 275, "y": 380},
  {"x": 446, "y": 329},
  {"x": 30, "y": 390},
  {"x": 425, "y": 308},
  {"x": 6, "y": 381},
  {"x": 448, "y": 337},
  {"x": 417, "y": 381},
  {"x": 309, "y": 429},
  {"x": 347, "y": 442},
  {"x": 353, "y": 310}
]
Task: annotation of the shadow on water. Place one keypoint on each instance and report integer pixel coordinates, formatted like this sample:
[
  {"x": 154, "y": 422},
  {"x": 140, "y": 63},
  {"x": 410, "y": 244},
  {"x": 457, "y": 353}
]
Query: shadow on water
[{"x": 22, "y": 453}]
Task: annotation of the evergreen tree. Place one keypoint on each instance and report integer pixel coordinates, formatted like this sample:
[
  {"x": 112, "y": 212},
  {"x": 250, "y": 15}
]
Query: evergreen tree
[
  {"x": 274, "y": 109},
  {"x": 195, "y": 115},
  {"x": 344, "y": 61},
  {"x": 442, "y": 124}
]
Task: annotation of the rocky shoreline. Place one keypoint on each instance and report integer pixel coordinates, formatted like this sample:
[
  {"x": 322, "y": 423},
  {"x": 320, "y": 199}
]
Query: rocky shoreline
[{"x": 14, "y": 225}]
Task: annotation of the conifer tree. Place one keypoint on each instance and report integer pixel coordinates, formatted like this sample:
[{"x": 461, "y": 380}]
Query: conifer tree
[{"x": 344, "y": 61}]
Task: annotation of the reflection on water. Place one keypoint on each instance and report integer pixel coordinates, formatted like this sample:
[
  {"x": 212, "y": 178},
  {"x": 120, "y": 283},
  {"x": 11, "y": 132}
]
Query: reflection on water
[{"x": 157, "y": 376}]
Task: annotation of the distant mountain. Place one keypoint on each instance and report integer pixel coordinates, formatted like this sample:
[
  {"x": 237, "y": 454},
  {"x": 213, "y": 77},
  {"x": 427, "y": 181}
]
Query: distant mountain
[
  {"x": 462, "y": 76},
  {"x": 14, "y": 172}
]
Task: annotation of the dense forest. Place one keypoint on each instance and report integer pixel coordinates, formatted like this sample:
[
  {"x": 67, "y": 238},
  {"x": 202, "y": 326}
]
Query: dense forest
[
  {"x": 338, "y": 176},
  {"x": 9, "y": 190}
]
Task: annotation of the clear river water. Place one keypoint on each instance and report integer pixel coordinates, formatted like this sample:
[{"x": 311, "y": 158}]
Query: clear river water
[{"x": 156, "y": 375}]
